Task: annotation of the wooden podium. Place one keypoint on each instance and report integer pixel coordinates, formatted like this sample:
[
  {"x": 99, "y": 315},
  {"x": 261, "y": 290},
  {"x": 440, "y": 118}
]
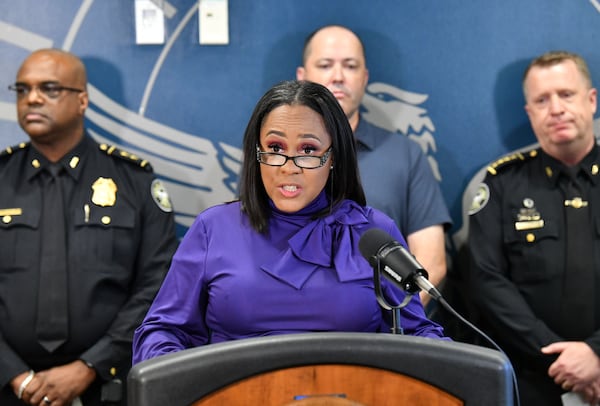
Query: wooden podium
[{"x": 315, "y": 369}]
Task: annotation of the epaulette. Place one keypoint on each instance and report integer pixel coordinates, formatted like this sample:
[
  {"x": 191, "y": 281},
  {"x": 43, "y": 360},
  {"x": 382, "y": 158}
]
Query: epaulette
[
  {"x": 508, "y": 160},
  {"x": 15, "y": 148},
  {"x": 126, "y": 156}
]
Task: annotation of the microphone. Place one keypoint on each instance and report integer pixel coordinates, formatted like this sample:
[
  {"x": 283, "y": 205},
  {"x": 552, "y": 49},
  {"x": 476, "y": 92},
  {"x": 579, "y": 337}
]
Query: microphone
[
  {"x": 397, "y": 263},
  {"x": 404, "y": 271}
]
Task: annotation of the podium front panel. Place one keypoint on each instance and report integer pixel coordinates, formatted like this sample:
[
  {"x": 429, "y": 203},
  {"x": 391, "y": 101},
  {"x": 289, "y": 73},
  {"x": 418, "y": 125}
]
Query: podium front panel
[
  {"x": 330, "y": 385},
  {"x": 470, "y": 374}
]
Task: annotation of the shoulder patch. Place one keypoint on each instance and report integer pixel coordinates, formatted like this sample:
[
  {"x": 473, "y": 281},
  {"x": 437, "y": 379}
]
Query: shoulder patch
[
  {"x": 482, "y": 196},
  {"x": 161, "y": 196},
  {"x": 508, "y": 160},
  {"x": 126, "y": 156},
  {"x": 15, "y": 148}
]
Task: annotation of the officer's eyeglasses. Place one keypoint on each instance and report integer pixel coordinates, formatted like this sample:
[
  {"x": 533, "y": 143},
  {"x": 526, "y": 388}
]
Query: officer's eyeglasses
[
  {"x": 50, "y": 90},
  {"x": 301, "y": 161}
]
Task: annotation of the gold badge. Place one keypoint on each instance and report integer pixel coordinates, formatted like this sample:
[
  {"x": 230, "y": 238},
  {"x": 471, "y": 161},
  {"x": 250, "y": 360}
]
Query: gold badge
[
  {"x": 105, "y": 192},
  {"x": 160, "y": 196}
]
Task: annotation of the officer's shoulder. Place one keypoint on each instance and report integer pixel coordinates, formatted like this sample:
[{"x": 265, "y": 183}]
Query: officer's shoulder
[
  {"x": 125, "y": 156},
  {"x": 13, "y": 150},
  {"x": 512, "y": 159}
]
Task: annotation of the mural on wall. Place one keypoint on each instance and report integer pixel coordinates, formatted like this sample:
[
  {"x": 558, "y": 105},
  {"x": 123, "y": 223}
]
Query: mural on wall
[
  {"x": 452, "y": 88},
  {"x": 199, "y": 172}
]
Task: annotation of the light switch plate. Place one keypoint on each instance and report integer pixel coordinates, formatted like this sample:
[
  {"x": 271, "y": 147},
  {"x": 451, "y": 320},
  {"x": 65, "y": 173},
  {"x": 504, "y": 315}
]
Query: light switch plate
[
  {"x": 149, "y": 23},
  {"x": 213, "y": 19}
]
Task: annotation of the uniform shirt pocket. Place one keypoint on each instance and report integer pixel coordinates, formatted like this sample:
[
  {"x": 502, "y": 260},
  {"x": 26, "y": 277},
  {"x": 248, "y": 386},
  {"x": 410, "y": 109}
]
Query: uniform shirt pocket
[
  {"x": 104, "y": 236},
  {"x": 535, "y": 253},
  {"x": 19, "y": 237}
]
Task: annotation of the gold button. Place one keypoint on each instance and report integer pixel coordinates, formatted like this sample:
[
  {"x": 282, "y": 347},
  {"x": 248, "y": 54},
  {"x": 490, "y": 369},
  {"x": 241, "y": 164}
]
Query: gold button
[
  {"x": 530, "y": 237},
  {"x": 35, "y": 163},
  {"x": 6, "y": 219},
  {"x": 113, "y": 371},
  {"x": 105, "y": 220}
]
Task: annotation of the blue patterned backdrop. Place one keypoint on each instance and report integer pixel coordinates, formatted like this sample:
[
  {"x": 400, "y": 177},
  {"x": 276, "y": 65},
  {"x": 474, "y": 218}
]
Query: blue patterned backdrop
[{"x": 445, "y": 73}]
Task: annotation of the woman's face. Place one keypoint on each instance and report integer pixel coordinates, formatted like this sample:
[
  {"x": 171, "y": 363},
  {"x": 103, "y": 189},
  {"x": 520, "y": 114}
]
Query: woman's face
[{"x": 296, "y": 131}]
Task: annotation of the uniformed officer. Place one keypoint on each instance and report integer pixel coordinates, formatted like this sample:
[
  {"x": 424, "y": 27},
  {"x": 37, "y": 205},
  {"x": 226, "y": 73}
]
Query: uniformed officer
[
  {"x": 86, "y": 236},
  {"x": 534, "y": 239}
]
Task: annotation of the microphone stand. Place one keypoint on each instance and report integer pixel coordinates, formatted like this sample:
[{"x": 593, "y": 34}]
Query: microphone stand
[
  {"x": 396, "y": 323},
  {"x": 397, "y": 327}
]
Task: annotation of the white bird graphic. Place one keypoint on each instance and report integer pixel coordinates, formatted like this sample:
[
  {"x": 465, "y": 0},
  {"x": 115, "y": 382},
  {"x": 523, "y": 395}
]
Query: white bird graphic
[{"x": 398, "y": 110}]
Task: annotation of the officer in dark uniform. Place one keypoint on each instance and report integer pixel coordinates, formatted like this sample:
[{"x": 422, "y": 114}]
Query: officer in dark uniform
[
  {"x": 534, "y": 239},
  {"x": 86, "y": 236}
]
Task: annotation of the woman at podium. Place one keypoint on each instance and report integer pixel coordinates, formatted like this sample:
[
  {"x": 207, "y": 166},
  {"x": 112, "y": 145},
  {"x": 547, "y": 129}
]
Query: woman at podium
[{"x": 284, "y": 258}]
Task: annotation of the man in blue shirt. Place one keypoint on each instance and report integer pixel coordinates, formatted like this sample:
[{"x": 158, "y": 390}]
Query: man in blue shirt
[{"x": 395, "y": 173}]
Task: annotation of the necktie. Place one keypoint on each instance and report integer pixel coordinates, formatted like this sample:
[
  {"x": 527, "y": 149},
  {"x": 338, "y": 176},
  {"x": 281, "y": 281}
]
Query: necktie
[
  {"x": 52, "y": 316},
  {"x": 578, "y": 302}
]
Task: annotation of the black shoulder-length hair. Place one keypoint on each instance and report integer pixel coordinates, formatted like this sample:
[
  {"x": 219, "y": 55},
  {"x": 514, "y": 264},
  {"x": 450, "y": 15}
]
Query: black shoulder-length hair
[{"x": 344, "y": 180}]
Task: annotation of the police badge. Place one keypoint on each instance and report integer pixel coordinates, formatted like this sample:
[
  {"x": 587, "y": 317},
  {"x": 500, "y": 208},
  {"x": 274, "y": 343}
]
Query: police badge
[{"x": 105, "y": 192}]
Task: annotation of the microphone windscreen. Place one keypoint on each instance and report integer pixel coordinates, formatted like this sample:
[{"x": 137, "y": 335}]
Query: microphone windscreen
[{"x": 372, "y": 240}]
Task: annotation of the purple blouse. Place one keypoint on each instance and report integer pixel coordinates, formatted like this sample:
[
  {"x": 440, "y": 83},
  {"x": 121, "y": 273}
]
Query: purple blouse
[{"x": 228, "y": 282}]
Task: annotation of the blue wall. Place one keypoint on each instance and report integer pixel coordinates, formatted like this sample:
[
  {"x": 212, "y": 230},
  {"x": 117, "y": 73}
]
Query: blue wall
[{"x": 446, "y": 73}]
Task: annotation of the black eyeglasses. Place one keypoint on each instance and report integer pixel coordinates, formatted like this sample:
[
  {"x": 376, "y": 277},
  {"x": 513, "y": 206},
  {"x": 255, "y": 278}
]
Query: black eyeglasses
[
  {"x": 50, "y": 90},
  {"x": 301, "y": 161}
]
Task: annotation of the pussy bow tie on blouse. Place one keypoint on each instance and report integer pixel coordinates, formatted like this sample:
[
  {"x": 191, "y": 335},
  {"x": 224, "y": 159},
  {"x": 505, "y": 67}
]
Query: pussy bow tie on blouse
[{"x": 330, "y": 241}]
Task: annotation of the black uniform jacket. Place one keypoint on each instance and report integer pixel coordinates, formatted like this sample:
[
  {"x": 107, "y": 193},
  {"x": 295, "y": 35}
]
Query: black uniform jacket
[
  {"x": 121, "y": 237},
  {"x": 517, "y": 246}
]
